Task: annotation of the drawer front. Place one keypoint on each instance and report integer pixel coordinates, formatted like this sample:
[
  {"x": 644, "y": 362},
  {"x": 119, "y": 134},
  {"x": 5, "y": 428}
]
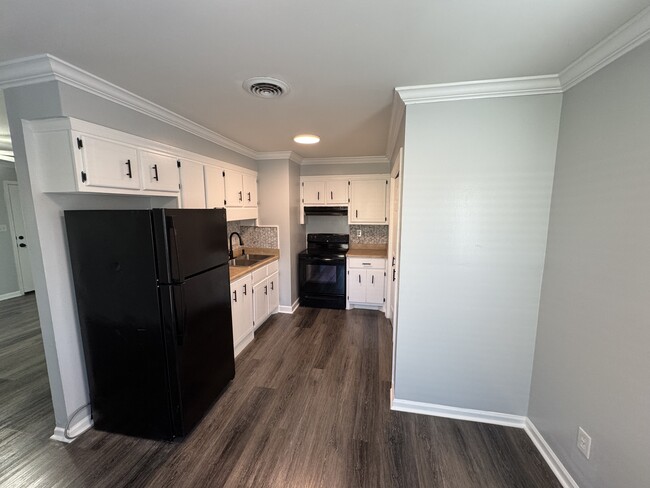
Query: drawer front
[
  {"x": 259, "y": 274},
  {"x": 272, "y": 267},
  {"x": 372, "y": 263}
]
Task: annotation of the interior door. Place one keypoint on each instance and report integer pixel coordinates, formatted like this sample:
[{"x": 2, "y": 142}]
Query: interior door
[
  {"x": 109, "y": 164},
  {"x": 313, "y": 192},
  {"x": 159, "y": 172},
  {"x": 17, "y": 224},
  {"x": 215, "y": 190},
  {"x": 192, "y": 185}
]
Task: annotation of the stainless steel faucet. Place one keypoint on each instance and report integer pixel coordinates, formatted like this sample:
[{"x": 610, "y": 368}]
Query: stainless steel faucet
[{"x": 241, "y": 243}]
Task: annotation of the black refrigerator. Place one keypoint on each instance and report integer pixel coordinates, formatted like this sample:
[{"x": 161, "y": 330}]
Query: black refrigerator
[{"x": 153, "y": 296}]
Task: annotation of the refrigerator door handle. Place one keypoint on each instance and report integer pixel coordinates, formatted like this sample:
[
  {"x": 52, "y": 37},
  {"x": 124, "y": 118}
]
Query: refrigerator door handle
[
  {"x": 180, "y": 313},
  {"x": 177, "y": 272}
]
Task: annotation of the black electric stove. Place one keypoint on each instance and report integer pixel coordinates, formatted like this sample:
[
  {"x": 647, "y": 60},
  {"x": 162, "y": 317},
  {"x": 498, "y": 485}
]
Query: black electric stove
[{"x": 322, "y": 271}]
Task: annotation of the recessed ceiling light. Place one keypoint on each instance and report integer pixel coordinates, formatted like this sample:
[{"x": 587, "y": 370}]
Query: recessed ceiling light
[{"x": 306, "y": 139}]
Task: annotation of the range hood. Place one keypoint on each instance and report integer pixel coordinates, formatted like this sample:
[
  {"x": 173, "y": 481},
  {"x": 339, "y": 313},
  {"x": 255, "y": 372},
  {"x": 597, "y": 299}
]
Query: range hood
[{"x": 326, "y": 210}]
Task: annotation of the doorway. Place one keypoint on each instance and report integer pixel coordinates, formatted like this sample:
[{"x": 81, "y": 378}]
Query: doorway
[{"x": 18, "y": 237}]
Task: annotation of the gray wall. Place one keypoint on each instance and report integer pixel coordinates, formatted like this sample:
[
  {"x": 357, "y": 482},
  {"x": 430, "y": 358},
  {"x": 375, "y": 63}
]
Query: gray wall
[
  {"x": 592, "y": 355},
  {"x": 45, "y": 231},
  {"x": 345, "y": 169},
  {"x": 8, "y": 274},
  {"x": 476, "y": 197}
]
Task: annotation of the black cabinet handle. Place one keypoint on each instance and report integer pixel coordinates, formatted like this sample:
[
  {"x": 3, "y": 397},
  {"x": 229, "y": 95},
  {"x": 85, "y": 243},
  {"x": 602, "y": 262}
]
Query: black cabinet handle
[
  {"x": 22, "y": 245},
  {"x": 249, "y": 196},
  {"x": 393, "y": 275},
  {"x": 372, "y": 280},
  {"x": 318, "y": 196},
  {"x": 235, "y": 295},
  {"x": 359, "y": 278},
  {"x": 129, "y": 173},
  {"x": 393, "y": 261},
  {"x": 332, "y": 195},
  {"x": 271, "y": 285},
  {"x": 245, "y": 290},
  {"x": 241, "y": 196},
  {"x": 155, "y": 172},
  {"x": 266, "y": 290},
  {"x": 356, "y": 213}
]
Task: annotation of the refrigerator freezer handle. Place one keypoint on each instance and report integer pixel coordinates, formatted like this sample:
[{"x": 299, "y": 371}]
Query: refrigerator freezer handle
[
  {"x": 177, "y": 273},
  {"x": 180, "y": 312}
]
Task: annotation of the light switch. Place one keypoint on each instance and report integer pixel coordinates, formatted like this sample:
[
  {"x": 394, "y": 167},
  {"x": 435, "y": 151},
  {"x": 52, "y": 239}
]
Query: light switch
[{"x": 3, "y": 228}]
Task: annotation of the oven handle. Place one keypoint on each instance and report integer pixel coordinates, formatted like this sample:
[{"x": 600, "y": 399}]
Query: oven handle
[{"x": 325, "y": 260}]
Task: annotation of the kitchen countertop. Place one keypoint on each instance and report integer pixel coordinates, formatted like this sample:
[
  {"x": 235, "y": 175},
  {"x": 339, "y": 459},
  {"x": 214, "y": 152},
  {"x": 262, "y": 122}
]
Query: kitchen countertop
[
  {"x": 368, "y": 251},
  {"x": 239, "y": 271}
]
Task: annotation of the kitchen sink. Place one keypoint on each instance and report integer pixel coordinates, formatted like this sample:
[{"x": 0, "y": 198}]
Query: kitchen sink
[
  {"x": 248, "y": 260},
  {"x": 258, "y": 257}
]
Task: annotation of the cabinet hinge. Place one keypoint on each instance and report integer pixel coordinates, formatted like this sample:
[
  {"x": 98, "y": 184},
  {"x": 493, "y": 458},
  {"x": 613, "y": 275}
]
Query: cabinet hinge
[
  {"x": 178, "y": 163},
  {"x": 386, "y": 181},
  {"x": 385, "y": 219},
  {"x": 224, "y": 202},
  {"x": 223, "y": 173},
  {"x": 384, "y": 273},
  {"x": 179, "y": 186},
  {"x": 303, "y": 184},
  {"x": 83, "y": 174},
  {"x": 303, "y": 200},
  {"x": 80, "y": 143},
  {"x": 384, "y": 300}
]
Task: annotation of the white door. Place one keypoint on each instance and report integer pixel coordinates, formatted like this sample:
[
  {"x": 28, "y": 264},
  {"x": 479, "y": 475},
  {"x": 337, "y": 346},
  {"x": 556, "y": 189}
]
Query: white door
[
  {"x": 192, "y": 185},
  {"x": 159, "y": 171},
  {"x": 375, "y": 286},
  {"x": 109, "y": 164},
  {"x": 260, "y": 302},
  {"x": 336, "y": 192},
  {"x": 368, "y": 201},
  {"x": 234, "y": 189},
  {"x": 313, "y": 192},
  {"x": 250, "y": 190},
  {"x": 274, "y": 294},
  {"x": 215, "y": 190},
  {"x": 17, "y": 224},
  {"x": 357, "y": 286}
]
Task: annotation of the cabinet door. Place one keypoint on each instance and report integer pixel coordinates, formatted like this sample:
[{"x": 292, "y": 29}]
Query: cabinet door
[
  {"x": 274, "y": 292},
  {"x": 313, "y": 192},
  {"x": 236, "y": 310},
  {"x": 109, "y": 164},
  {"x": 336, "y": 192},
  {"x": 250, "y": 190},
  {"x": 215, "y": 191},
  {"x": 246, "y": 311},
  {"x": 260, "y": 302},
  {"x": 159, "y": 172},
  {"x": 357, "y": 285},
  {"x": 368, "y": 201},
  {"x": 242, "y": 309},
  {"x": 375, "y": 286},
  {"x": 192, "y": 185},
  {"x": 234, "y": 189}
]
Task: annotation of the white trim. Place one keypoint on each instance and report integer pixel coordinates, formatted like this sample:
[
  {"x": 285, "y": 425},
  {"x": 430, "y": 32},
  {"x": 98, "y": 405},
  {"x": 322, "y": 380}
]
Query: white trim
[
  {"x": 630, "y": 35},
  {"x": 290, "y": 155},
  {"x": 289, "y": 309},
  {"x": 551, "y": 458},
  {"x": 77, "y": 429},
  {"x": 344, "y": 160},
  {"x": 12, "y": 230},
  {"x": 243, "y": 342},
  {"x": 11, "y": 294},
  {"x": 470, "y": 90},
  {"x": 396, "y": 115},
  {"x": 484, "y": 416}
]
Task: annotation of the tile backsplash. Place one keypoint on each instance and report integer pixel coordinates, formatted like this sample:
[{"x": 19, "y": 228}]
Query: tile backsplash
[
  {"x": 253, "y": 236},
  {"x": 370, "y": 234}
]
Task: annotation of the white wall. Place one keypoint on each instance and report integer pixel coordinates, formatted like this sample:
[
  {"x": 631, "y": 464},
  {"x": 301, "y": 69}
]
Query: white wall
[
  {"x": 592, "y": 356},
  {"x": 8, "y": 273},
  {"x": 345, "y": 169},
  {"x": 476, "y": 196}
]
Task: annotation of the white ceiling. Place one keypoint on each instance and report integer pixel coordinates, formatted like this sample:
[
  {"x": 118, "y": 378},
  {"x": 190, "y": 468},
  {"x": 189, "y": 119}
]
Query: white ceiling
[{"x": 342, "y": 58}]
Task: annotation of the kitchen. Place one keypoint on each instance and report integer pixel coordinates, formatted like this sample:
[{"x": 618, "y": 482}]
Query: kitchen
[{"x": 487, "y": 175}]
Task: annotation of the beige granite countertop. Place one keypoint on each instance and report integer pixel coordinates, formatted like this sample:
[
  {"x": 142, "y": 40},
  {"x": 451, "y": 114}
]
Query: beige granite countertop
[
  {"x": 368, "y": 251},
  {"x": 239, "y": 271}
]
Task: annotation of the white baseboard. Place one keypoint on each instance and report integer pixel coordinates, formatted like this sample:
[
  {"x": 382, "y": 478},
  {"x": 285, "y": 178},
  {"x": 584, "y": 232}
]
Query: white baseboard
[
  {"x": 12, "y": 294},
  {"x": 75, "y": 430},
  {"x": 497, "y": 418},
  {"x": 291, "y": 309},
  {"x": 243, "y": 342},
  {"x": 552, "y": 460}
]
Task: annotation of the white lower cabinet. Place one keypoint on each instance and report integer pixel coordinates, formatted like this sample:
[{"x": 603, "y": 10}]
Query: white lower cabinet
[
  {"x": 241, "y": 302},
  {"x": 366, "y": 282},
  {"x": 253, "y": 298}
]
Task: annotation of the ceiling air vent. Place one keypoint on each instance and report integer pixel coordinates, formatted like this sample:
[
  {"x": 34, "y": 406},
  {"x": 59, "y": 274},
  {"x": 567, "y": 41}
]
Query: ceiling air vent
[{"x": 266, "y": 87}]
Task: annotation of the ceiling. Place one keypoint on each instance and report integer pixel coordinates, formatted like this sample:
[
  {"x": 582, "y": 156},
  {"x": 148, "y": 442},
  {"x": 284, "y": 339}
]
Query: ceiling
[{"x": 341, "y": 58}]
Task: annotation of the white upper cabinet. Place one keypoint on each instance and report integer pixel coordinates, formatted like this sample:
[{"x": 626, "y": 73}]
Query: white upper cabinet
[
  {"x": 250, "y": 190},
  {"x": 336, "y": 192},
  {"x": 108, "y": 163},
  {"x": 159, "y": 171},
  {"x": 192, "y": 184},
  {"x": 215, "y": 190},
  {"x": 368, "y": 201},
  {"x": 234, "y": 189},
  {"x": 313, "y": 192},
  {"x": 241, "y": 195}
]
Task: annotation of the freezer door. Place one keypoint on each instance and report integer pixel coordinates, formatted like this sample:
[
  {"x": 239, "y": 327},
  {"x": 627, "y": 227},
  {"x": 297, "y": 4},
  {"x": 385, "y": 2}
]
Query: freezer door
[
  {"x": 189, "y": 241},
  {"x": 201, "y": 340}
]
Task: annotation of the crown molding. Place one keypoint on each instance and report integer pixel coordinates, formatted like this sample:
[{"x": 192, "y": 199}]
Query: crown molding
[
  {"x": 345, "y": 160},
  {"x": 396, "y": 115},
  {"x": 45, "y": 67},
  {"x": 290, "y": 155},
  {"x": 6, "y": 162},
  {"x": 470, "y": 90},
  {"x": 630, "y": 35}
]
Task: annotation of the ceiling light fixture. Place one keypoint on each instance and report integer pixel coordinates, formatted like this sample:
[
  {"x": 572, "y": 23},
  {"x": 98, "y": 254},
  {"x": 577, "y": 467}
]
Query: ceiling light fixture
[{"x": 306, "y": 139}]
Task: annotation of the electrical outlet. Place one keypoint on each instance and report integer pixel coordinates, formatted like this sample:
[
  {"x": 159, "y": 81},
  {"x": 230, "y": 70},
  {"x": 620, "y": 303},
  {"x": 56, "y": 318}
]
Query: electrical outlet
[
  {"x": 3, "y": 228},
  {"x": 584, "y": 442},
  {"x": 359, "y": 233}
]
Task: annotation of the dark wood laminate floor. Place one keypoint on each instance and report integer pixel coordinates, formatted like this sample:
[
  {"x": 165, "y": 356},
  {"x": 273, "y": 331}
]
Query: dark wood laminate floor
[{"x": 309, "y": 407}]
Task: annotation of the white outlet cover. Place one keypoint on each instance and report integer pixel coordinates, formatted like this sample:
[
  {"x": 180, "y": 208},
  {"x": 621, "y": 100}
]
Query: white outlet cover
[
  {"x": 584, "y": 442},
  {"x": 359, "y": 233},
  {"x": 3, "y": 228}
]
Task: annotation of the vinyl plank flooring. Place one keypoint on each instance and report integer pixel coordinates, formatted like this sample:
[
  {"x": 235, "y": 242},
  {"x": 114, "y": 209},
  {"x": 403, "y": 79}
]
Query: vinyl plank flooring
[{"x": 308, "y": 408}]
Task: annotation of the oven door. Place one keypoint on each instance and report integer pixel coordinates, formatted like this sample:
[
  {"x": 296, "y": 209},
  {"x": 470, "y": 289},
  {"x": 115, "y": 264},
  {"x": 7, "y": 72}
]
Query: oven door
[{"x": 322, "y": 276}]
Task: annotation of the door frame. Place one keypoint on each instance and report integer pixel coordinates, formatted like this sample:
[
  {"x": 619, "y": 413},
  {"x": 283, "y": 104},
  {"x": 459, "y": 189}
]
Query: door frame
[{"x": 12, "y": 230}]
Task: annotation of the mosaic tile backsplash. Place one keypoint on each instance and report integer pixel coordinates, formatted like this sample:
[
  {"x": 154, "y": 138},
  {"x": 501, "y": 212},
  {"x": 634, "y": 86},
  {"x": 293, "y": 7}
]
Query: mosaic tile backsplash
[
  {"x": 370, "y": 234},
  {"x": 264, "y": 237}
]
